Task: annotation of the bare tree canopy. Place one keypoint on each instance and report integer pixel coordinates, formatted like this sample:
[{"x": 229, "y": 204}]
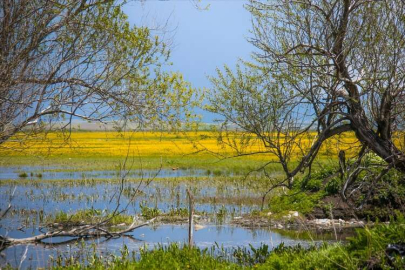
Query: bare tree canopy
[
  {"x": 61, "y": 60},
  {"x": 330, "y": 66}
]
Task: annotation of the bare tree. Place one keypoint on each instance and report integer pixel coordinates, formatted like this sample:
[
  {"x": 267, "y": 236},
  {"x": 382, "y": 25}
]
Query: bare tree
[
  {"x": 326, "y": 66},
  {"x": 64, "y": 60}
]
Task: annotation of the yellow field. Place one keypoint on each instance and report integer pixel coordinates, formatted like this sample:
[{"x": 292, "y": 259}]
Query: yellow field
[{"x": 115, "y": 144}]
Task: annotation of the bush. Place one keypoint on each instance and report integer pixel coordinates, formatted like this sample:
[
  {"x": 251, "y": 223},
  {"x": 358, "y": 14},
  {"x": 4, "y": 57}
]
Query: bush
[
  {"x": 149, "y": 212},
  {"x": 333, "y": 186},
  {"x": 295, "y": 201}
]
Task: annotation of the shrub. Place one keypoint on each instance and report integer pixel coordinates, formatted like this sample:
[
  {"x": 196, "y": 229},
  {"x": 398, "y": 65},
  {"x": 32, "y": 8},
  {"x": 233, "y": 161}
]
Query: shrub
[{"x": 149, "y": 212}]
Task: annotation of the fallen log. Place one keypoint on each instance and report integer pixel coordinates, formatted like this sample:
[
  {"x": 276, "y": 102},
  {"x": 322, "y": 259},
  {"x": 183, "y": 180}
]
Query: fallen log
[{"x": 83, "y": 231}]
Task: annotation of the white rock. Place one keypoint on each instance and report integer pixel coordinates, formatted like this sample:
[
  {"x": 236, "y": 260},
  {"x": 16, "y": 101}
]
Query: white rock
[
  {"x": 294, "y": 213},
  {"x": 322, "y": 221},
  {"x": 279, "y": 226},
  {"x": 198, "y": 227}
]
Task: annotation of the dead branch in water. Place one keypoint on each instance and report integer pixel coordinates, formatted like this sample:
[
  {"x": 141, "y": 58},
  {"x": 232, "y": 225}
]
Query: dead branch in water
[
  {"x": 98, "y": 230},
  {"x": 4, "y": 212},
  {"x": 83, "y": 231}
]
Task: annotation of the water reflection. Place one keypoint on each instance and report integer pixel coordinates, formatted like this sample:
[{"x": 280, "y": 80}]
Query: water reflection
[{"x": 225, "y": 236}]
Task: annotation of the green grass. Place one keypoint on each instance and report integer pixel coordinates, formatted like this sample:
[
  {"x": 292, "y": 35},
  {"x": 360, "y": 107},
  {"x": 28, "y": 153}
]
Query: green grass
[
  {"x": 365, "y": 250},
  {"x": 213, "y": 165},
  {"x": 89, "y": 216}
]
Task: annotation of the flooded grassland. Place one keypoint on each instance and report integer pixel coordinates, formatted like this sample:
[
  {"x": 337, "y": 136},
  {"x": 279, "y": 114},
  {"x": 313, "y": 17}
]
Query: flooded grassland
[{"x": 70, "y": 188}]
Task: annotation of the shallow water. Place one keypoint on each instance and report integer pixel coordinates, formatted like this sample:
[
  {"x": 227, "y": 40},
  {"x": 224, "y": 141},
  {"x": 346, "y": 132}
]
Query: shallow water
[
  {"x": 225, "y": 236},
  {"x": 50, "y": 173},
  {"x": 217, "y": 202}
]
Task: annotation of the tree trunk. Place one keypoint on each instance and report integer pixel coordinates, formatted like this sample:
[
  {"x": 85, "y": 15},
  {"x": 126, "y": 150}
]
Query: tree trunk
[{"x": 384, "y": 148}]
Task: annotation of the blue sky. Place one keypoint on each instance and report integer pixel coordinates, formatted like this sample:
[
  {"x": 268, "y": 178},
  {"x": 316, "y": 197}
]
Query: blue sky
[{"x": 202, "y": 40}]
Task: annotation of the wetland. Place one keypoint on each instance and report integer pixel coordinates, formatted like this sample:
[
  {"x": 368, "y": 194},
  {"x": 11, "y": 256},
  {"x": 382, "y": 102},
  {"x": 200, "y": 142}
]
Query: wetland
[{"x": 43, "y": 194}]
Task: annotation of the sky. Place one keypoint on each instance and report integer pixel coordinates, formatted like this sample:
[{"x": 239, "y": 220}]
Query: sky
[{"x": 201, "y": 40}]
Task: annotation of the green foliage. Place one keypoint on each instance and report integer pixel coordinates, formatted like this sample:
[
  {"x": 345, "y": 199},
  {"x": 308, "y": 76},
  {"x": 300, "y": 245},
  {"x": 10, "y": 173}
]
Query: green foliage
[
  {"x": 252, "y": 256},
  {"x": 162, "y": 257},
  {"x": 324, "y": 257},
  {"x": 295, "y": 201},
  {"x": 365, "y": 250},
  {"x": 333, "y": 186},
  {"x": 221, "y": 214},
  {"x": 125, "y": 78},
  {"x": 149, "y": 212},
  {"x": 314, "y": 181},
  {"x": 89, "y": 216},
  {"x": 372, "y": 159},
  {"x": 371, "y": 243},
  {"x": 175, "y": 257},
  {"x": 312, "y": 184},
  {"x": 182, "y": 212}
]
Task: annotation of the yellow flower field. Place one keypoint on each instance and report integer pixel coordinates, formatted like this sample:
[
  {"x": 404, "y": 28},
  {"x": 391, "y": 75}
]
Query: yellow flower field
[{"x": 116, "y": 144}]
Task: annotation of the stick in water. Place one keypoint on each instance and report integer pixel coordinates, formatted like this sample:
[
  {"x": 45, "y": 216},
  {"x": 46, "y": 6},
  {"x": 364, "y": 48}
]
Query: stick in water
[{"x": 190, "y": 218}]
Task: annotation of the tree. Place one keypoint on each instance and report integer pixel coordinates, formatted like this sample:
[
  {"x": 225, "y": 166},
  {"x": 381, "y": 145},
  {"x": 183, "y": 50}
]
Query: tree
[
  {"x": 329, "y": 66},
  {"x": 61, "y": 60}
]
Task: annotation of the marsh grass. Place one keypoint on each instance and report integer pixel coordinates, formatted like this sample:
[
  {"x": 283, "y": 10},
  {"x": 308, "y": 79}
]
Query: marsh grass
[
  {"x": 365, "y": 250},
  {"x": 88, "y": 216},
  {"x": 149, "y": 212},
  {"x": 23, "y": 175}
]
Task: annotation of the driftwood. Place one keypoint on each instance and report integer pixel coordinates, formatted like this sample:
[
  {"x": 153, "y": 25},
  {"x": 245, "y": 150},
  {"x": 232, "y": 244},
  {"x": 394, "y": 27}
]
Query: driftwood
[{"x": 83, "y": 231}]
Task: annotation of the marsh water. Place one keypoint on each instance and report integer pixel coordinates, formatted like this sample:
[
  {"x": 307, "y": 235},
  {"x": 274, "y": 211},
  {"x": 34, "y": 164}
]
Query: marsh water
[
  {"x": 50, "y": 173},
  {"x": 36, "y": 197}
]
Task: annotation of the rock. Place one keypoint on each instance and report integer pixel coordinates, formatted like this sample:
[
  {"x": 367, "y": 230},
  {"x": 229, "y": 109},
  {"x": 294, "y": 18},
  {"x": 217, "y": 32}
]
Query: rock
[
  {"x": 322, "y": 221},
  {"x": 294, "y": 213},
  {"x": 279, "y": 226},
  {"x": 269, "y": 214},
  {"x": 237, "y": 218},
  {"x": 352, "y": 221},
  {"x": 198, "y": 227}
]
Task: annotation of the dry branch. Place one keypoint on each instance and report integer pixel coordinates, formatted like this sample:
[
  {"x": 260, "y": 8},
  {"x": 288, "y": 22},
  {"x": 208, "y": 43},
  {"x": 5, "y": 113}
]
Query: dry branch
[{"x": 83, "y": 231}]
